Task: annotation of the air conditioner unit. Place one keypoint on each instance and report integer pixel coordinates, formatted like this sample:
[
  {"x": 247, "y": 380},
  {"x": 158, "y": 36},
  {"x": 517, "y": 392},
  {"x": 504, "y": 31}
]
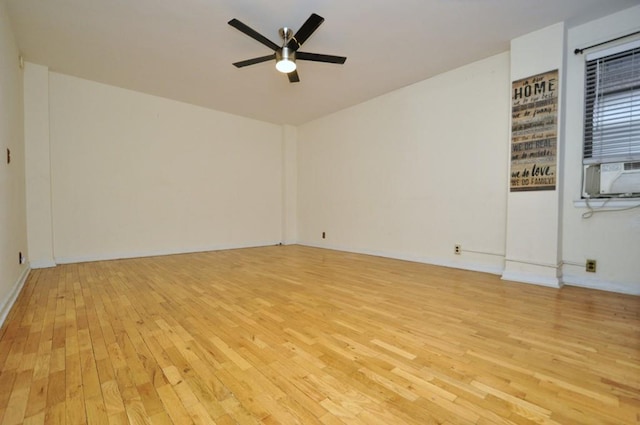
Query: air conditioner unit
[
  {"x": 591, "y": 181},
  {"x": 608, "y": 180}
]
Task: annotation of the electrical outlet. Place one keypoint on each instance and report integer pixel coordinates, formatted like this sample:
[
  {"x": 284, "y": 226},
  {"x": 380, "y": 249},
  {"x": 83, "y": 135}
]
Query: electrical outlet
[
  {"x": 457, "y": 249},
  {"x": 324, "y": 235},
  {"x": 591, "y": 266}
]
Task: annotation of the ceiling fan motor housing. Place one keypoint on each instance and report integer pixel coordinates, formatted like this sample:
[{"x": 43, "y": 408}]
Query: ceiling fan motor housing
[{"x": 285, "y": 54}]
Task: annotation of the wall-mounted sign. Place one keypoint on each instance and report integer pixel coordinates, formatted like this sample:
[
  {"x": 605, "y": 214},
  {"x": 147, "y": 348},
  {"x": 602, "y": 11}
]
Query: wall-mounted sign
[{"x": 534, "y": 131}]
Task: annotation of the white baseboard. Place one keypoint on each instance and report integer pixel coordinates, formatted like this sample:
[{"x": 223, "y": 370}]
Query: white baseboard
[
  {"x": 171, "y": 251},
  {"x": 531, "y": 278},
  {"x": 593, "y": 283},
  {"x": 5, "y": 308},
  {"x": 44, "y": 264},
  {"x": 476, "y": 267}
]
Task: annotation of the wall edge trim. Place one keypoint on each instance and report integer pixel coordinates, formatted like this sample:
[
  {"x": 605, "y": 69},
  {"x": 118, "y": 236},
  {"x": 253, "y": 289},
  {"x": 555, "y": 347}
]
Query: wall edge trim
[
  {"x": 6, "y": 307},
  {"x": 532, "y": 278},
  {"x": 602, "y": 285},
  {"x": 159, "y": 253},
  {"x": 482, "y": 268},
  {"x": 42, "y": 264}
]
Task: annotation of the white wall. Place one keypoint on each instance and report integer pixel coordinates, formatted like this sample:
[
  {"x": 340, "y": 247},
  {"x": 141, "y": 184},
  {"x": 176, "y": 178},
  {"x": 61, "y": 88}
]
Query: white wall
[
  {"x": 611, "y": 238},
  {"x": 38, "y": 165},
  {"x": 290, "y": 184},
  {"x": 13, "y": 229},
  {"x": 414, "y": 172},
  {"x": 136, "y": 175},
  {"x": 533, "y": 217}
]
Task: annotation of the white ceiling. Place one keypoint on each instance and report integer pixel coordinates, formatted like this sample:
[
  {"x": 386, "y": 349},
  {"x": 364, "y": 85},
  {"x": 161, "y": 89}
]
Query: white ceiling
[{"x": 183, "y": 49}]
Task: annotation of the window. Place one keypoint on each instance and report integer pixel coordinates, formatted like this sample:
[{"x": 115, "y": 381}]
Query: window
[
  {"x": 612, "y": 105},
  {"x": 612, "y": 122}
]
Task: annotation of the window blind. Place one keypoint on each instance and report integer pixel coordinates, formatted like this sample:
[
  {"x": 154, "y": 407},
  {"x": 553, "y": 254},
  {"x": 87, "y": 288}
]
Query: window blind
[{"x": 612, "y": 106}]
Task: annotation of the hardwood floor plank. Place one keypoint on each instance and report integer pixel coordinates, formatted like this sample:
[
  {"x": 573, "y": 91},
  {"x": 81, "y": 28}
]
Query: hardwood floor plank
[
  {"x": 173, "y": 406},
  {"x": 113, "y": 402},
  {"x": 15, "y": 410},
  {"x": 35, "y": 419},
  {"x": 299, "y": 335},
  {"x": 96, "y": 411},
  {"x": 55, "y": 414},
  {"x": 75, "y": 402},
  {"x": 37, "y": 401}
]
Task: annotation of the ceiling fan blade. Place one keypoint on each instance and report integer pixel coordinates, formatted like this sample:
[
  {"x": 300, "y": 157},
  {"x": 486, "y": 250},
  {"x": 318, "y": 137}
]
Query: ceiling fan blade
[
  {"x": 293, "y": 76},
  {"x": 254, "y": 61},
  {"x": 316, "y": 57},
  {"x": 253, "y": 34},
  {"x": 305, "y": 31}
]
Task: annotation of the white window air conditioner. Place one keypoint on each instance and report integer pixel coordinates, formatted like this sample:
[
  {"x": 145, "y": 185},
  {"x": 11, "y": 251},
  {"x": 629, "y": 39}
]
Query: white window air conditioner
[{"x": 612, "y": 180}]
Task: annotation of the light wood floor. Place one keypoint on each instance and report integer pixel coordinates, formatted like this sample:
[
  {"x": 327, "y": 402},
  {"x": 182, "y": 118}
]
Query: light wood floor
[{"x": 297, "y": 335}]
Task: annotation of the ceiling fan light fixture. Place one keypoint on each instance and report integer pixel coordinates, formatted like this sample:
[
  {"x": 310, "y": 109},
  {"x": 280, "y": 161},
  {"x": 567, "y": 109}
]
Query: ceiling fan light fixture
[
  {"x": 286, "y": 53},
  {"x": 286, "y": 60}
]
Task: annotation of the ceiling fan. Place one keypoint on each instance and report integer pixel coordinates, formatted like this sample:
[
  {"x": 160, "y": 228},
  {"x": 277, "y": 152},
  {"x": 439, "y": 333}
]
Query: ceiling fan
[{"x": 287, "y": 54}]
